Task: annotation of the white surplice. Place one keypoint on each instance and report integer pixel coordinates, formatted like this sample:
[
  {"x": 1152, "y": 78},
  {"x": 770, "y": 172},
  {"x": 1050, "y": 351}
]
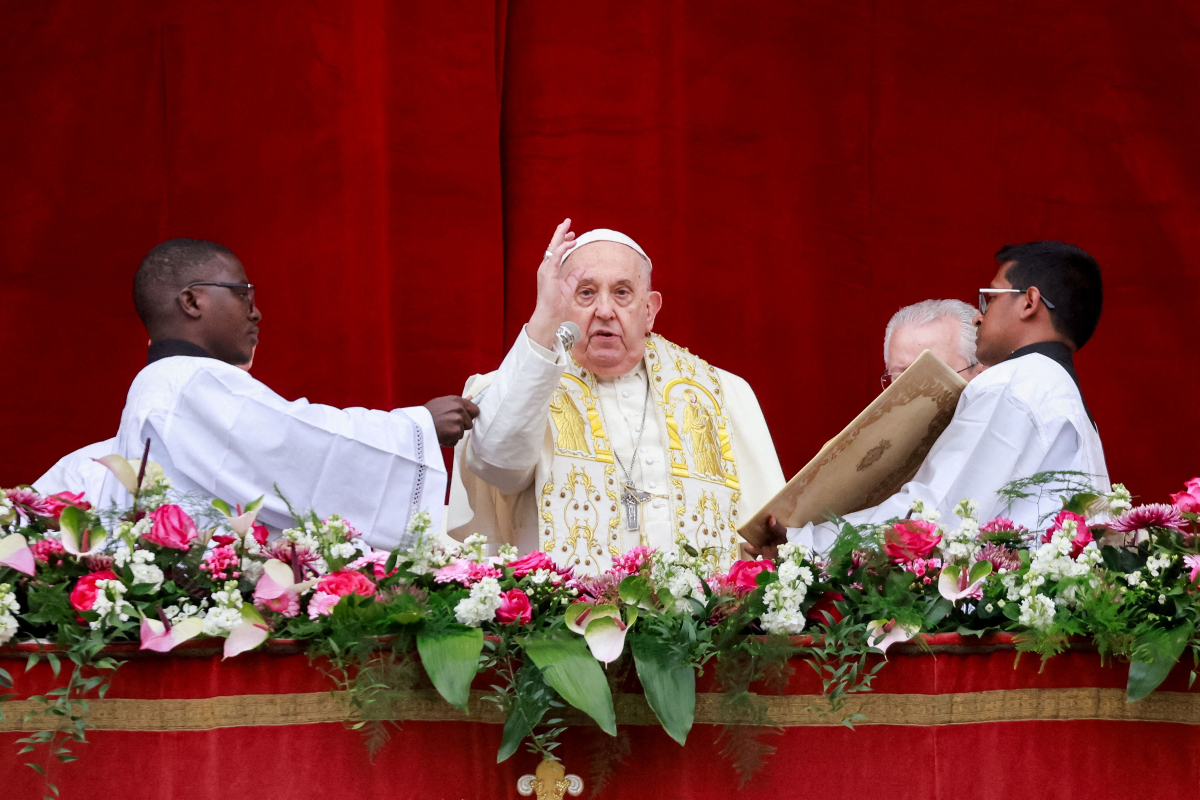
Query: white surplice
[
  {"x": 1018, "y": 418},
  {"x": 492, "y": 490},
  {"x": 78, "y": 471},
  {"x": 219, "y": 432}
]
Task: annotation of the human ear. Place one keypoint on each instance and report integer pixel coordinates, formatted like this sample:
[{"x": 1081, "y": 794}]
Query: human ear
[
  {"x": 654, "y": 301},
  {"x": 189, "y": 302},
  {"x": 1029, "y": 303}
]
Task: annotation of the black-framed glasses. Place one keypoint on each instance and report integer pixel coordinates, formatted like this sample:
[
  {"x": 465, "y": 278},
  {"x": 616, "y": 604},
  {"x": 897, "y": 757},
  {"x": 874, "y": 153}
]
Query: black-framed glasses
[
  {"x": 887, "y": 378},
  {"x": 246, "y": 294},
  {"x": 983, "y": 297}
]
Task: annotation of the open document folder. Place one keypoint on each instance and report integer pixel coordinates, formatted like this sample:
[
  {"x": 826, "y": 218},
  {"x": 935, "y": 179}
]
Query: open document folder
[{"x": 874, "y": 456}]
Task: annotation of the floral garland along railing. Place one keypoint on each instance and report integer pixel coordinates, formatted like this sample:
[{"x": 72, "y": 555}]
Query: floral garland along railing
[{"x": 161, "y": 575}]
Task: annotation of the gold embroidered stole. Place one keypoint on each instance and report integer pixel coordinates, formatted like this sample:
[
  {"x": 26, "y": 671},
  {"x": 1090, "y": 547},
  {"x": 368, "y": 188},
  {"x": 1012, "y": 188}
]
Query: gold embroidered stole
[{"x": 581, "y": 520}]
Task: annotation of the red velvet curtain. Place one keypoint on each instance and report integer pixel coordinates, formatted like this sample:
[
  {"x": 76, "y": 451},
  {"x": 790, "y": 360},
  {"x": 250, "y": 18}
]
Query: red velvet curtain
[{"x": 390, "y": 173}]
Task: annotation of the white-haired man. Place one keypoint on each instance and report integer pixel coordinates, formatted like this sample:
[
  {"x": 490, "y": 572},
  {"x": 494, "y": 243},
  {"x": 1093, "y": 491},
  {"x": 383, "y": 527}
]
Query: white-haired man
[
  {"x": 628, "y": 440},
  {"x": 946, "y": 328}
]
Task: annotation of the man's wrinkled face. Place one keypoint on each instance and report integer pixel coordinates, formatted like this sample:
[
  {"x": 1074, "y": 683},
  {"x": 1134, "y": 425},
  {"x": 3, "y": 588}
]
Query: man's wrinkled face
[
  {"x": 613, "y": 307},
  {"x": 230, "y": 319},
  {"x": 995, "y": 329},
  {"x": 940, "y": 337}
]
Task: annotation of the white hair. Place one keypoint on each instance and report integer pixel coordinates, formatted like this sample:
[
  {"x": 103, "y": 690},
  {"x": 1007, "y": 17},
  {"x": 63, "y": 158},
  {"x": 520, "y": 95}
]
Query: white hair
[{"x": 928, "y": 311}]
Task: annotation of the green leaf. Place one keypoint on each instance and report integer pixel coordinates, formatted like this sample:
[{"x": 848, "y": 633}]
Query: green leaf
[
  {"x": 938, "y": 610},
  {"x": 255, "y": 505},
  {"x": 1079, "y": 504},
  {"x": 531, "y": 700},
  {"x": 567, "y": 666},
  {"x": 222, "y": 506},
  {"x": 451, "y": 659},
  {"x": 634, "y": 589},
  {"x": 1163, "y": 649},
  {"x": 669, "y": 683}
]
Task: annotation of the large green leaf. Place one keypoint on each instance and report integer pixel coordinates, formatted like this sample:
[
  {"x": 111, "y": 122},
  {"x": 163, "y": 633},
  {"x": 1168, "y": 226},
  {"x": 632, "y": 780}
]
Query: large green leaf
[
  {"x": 567, "y": 665},
  {"x": 451, "y": 659},
  {"x": 531, "y": 700},
  {"x": 1164, "y": 649},
  {"x": 670, "y": 685}
]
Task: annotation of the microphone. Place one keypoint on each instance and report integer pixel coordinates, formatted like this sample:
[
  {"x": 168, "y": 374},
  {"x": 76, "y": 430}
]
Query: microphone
[{"x": 568, "y": 334}]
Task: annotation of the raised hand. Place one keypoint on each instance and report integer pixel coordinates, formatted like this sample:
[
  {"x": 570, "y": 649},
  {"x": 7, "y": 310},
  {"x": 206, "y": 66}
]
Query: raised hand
[
  {"x": 452, "y": 417},
  {"x": 556, "y": 288}
]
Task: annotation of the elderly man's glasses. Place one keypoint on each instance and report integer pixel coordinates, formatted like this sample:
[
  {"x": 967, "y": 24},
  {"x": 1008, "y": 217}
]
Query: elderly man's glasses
[
  {"x": 984, "y": 299},
  {"x": 887, "y": 378},
  {"x": 244, "y": 291}
]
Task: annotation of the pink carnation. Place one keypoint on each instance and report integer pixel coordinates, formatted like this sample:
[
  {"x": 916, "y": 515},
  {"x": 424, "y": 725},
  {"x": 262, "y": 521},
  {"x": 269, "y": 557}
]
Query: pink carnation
[
  {"x": 530, "y": 563},
  {"x": 514, "y": 607},
  {"x": 321, "y": 604},
  {"x": 378, "y": 563},
  {"x": 467, "y": 573},
  {"x": 222, "y": 563},
  {"x": 1001, "y": 525},
  {"x": 172, "y": 528},
  {"x": 910, "y": 539},
  {"x": 1189, "y": 498},
  {"x": 346, "y": 581},
  {"x": 921, "y": 566},
  {"x": 1155, "y": 515}
]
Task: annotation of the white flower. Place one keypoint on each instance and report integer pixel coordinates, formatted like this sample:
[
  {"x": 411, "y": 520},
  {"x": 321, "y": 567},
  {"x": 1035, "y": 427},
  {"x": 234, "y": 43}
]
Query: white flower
[
  {"x": 1162, "y": 598},
  {"x": 480, "y": 605},
  {"x": 1037, "y": 612},
  {"x": 1119, "y": 499},
  {"x": 343, "y": 550},
  {"x": 1156, "y": 564},
  {"x": 8, "y": 612},
  {"x": 541, "y": 576},
  {"x": 508, "y": 553},
  {"x": 1134, "y": 578},
  {"x": 110, "y": 604},
  {"x": 252, "y": 569},
  {"x": 474, "y": 547},
  {"x": 966, "y": 509}
]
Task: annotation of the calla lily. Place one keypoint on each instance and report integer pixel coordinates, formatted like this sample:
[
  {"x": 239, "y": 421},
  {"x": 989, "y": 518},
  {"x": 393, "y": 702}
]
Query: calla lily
[
  {"x": 126, "y": 470},
  {"x": 252, "y": 632},
  {"x": 602, "y": 627},
  {"x": 240, "y": 521},
  {"x": 882, "y": 634},
  {"x": 955, "y": 582},
  {"x": 158, "y": 637},
  {"x": 277, "y": 580},
  {"x": 15, "y": 553},
  {"x": 77, "y": 538}
]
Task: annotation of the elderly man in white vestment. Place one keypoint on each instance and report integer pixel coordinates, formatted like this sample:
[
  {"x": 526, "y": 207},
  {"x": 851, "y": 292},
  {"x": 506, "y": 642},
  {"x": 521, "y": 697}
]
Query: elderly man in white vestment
[
  {"x": 627, "y": 440},
  {"x": 218, "y": 432},
  {"x": 945, "y": 328},
  {"x": 1025, "y": 414}
]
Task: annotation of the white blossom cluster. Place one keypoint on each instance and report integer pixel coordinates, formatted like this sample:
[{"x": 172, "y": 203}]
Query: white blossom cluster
[
  {"x": 307, "y": 537},
  {"x": 127, "y": 534},
  {"x": 110, "y": 604},
  {"x": 784, "y": 596},
  {"x": 679, "y": 574},
  {"x": 8, "y": 512},
  {"x": 141, "y": 564},
  {"x": 480, "y": 605},
  {"x": 961, "y": 544},
  {"x": 928, "y": 515},
  {"x": 176, "y": 614},
  {"x": 541, "y": 576},
  {"x": 8, "y": 611},
  {"x": 426, "y": 555},
  {"x": 1156, "y": 564},
  {"x": 226, "y": 611},
  {"x": 474, "y": 548},
  {"x": 508, "y": 553},
  {"x": 1119, "y": 499},
  {"x": 1052, "y": 563}
]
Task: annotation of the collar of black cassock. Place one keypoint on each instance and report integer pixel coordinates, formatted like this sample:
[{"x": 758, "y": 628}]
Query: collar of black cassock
[
  {"x": 1060, "y": 354},
  {"x": 165, "y": 348}
]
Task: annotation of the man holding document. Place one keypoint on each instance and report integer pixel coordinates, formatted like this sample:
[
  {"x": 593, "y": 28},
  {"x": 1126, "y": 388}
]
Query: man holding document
[{"x": 1024, "y": 415}]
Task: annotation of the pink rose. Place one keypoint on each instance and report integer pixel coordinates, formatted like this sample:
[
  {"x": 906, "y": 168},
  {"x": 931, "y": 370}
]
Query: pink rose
[
  {"x": 530, "y": 563},
  {"x": 514, "y": 607},
  {"x": 259, "y": 532},
  {"x": 743, "y": 575},
  {"x": 911, "y": 539},
  {"x": 1189, "y": 499},
  {"x": 172, "y": 528},
  {"x": 344, "y": 582},
  {"x": 55, "y": 503},
  {"x": 83, "y": 596}
]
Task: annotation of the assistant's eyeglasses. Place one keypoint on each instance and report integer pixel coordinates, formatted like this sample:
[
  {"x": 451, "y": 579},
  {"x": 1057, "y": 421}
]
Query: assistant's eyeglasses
[
  {"x": 984, "y": 299},
  {"x": 245, "y": 291}
]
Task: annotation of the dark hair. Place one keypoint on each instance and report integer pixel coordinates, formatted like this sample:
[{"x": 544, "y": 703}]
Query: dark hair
[
  {"x": 1065, "y": 275},
  {"x": 166, "y": 269}
]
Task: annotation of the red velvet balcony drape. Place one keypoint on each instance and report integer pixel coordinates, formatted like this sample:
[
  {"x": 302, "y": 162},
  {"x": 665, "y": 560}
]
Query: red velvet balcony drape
[{"x": 390, "y": 173}]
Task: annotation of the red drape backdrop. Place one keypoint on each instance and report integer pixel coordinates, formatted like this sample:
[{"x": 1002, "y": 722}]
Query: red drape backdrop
[{"x": 390, "y": 173}]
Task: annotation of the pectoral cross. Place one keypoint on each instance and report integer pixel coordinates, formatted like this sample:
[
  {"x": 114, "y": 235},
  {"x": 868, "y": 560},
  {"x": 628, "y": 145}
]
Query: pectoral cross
[{"x": 632, "y": 498}]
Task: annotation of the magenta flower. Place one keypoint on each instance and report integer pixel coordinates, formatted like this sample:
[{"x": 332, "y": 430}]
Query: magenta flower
[
  {"x": 1189, "y": 498},
  {"x": 911, "y": 539},
  {"x": 1154, "y": 515},
  {"x": 1001, "y": 525},
  {"x": 1000, "y": 556}
]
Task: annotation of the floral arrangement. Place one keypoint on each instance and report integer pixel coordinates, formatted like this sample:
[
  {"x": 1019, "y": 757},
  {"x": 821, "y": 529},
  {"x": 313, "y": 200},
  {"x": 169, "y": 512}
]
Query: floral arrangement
[{"x": 159, "y": 573}]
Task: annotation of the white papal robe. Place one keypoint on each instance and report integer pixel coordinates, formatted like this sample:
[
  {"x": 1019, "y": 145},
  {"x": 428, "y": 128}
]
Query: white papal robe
[
  {"x": 1021, "y": 417},
  {"x": 78, "y": 471},
  {"x": 509, "y": 480},
  {"x": 219, "y": 432}
]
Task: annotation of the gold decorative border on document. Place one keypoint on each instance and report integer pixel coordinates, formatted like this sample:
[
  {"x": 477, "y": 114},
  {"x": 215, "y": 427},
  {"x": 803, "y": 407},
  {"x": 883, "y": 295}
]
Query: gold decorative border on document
[{"x": 968, "y": 708}]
